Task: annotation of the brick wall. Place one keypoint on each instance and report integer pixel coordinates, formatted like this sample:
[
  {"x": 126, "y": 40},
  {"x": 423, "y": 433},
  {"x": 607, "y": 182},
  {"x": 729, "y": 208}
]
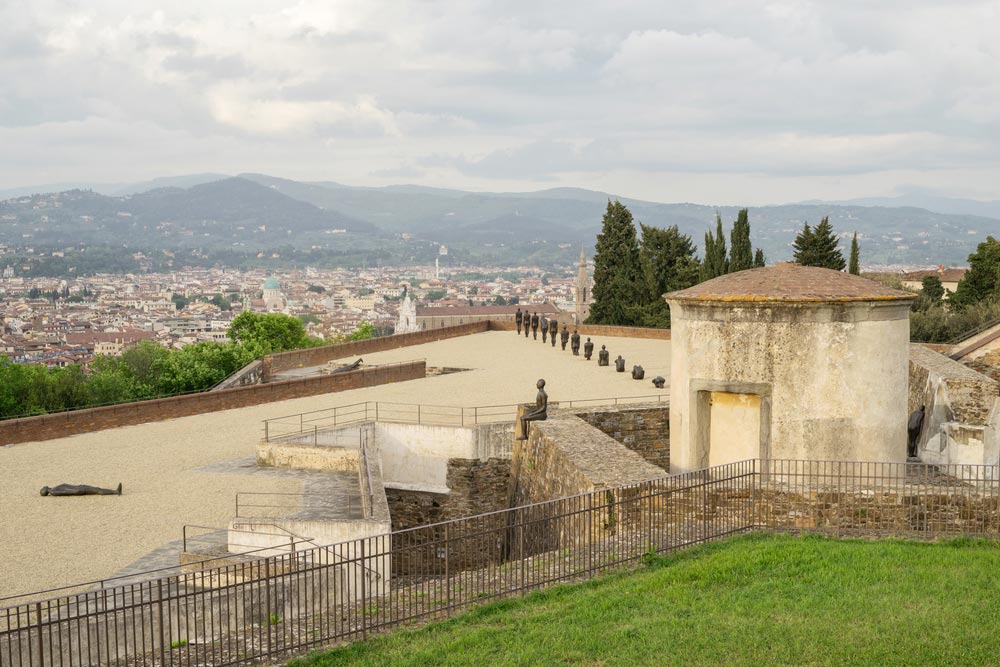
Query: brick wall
[
  {"x": 597, "y": 330},
  {"x": 45, "y": 427},
  {"x": 643, "y": 429},
  {"x": 317, "y": 356}
]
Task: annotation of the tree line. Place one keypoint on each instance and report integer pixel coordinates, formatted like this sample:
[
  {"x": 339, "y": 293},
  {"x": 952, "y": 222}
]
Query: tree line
[
  {"x": 148, "y": 370},
  {"x": 632, "y": 271}
]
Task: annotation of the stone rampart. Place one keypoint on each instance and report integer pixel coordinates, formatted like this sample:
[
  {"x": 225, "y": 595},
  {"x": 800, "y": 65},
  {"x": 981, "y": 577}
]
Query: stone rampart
[
  {"x": 45, "y": 427},
  {"x": 962, "y": 417},
  {"x": 598, "y": 330},
  {"x": 643, "y": 428}
]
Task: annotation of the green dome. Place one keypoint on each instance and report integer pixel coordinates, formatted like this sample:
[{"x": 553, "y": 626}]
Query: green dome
[{"x": 271, "y": 283}]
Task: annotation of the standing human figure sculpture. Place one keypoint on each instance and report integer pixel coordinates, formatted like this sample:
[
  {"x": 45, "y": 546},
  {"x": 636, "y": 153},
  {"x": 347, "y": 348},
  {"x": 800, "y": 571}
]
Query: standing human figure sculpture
[
  {"x": 553, "y": 331},
  {"x": 620, "y": 364},
  {"x": 564, "y": 336},
  {"x": 588, "y": 347},
  {"x": 79, "y": 490},
  {"x": 527, "y": 323},
  {"x": 638, "y": 372},
  {"x": 545, "y": 329},
  {"x": 913, "y": 426},
  {"x": 518, "y": 318},
  {"x": 603, "y": 357},
  {"x": 575, "y": 343},
  {"x": 534, "y": 326},
  {"x": 538, "y": 413}
]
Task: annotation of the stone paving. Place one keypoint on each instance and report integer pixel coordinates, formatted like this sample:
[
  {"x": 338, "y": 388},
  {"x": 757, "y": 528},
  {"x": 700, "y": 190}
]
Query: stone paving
[{"x": 166, "y": 466}]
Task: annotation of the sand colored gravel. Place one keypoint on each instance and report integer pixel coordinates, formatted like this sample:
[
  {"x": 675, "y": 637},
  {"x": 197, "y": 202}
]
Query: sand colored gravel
[{"x": 47, "y": 542}]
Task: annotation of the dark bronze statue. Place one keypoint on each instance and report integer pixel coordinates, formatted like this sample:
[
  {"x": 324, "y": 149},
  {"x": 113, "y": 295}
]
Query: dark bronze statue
[
  {"x": 527, "y": 323},
  {"x": 564, "y": 337},
  {"x": 659, "y": 381},
  {"x": 588, "y": 347},
  {"x": 349, "y": 367},
  {"x": 518, "y": 318},
  {"x": 620, "y": 364},
  {"x": 539, "y": 413},
  {"x": 534, "y": 326},
  {"x": 545, "y": 329},
  {"x": 79, "y": 490},
  {"x": 603, "y": 357},
  {"x": 553, "y": 330},
  {"x": 638, "y": 372},
  {"x": 913, "y": 427}
]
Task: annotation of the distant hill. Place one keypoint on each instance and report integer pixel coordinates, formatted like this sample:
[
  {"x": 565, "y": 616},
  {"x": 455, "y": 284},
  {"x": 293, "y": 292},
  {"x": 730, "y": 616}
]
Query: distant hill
[
  {"x": 989, "y": 209},
  {"x": 261, "y": 211}
]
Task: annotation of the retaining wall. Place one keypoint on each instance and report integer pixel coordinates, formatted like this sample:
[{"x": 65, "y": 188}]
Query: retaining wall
[
  {"x": 597, "y": 330},
  {"x": 46, "y": 427}
]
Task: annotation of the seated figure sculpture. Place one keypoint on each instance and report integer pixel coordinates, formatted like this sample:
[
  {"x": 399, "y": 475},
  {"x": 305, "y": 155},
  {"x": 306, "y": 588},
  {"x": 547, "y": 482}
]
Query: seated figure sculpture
[
  {"x": 588, "y": 348},
  {"x": 620, "y": 364},
  {"x": 79, "y": 490},
  {"x": 538, "y": 413},
  {"x": 638, "y": 372},
  {"x": 603, "y": 357},
  {"x": 913, "y": 426}
]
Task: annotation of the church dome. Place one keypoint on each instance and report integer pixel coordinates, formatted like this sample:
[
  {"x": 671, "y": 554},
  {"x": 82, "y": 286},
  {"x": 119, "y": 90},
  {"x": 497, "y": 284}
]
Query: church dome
[{"x": 271, "y": 283}]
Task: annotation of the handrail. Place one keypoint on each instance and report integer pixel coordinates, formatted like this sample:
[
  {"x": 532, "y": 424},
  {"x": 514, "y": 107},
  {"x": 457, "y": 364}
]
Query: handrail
[
  {"x": 417, "y": 413},
  {"x": 974, "y": 332}
]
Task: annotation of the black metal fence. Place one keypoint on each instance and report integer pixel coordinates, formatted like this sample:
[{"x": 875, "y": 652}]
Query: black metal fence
[{"x": 262, "y": 609}]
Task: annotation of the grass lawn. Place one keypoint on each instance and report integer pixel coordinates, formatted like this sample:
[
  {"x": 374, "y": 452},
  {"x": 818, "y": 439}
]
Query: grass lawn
[{"x": 753, "y": 600}]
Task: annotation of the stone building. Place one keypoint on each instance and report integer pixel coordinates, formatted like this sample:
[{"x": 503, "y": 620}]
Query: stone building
[
  {"x": 407, "y": 320},
  {"x": 788, "y": 361},
  {"x": 274, "y": 299}
]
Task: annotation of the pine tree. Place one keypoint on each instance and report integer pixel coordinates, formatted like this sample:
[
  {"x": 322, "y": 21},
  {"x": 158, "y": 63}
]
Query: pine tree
[
  {"x": 854, "y": 265},
  {"x": 617, "y": 277},
  {"x": 741, "y": 251},
  {"x": 758, "y": 259},
  {"x": 982, "y": 280},
  {"x": 669, "y": 262},
  {"x": 715, "y": 263},
  {"x": 818, "y": 247}
]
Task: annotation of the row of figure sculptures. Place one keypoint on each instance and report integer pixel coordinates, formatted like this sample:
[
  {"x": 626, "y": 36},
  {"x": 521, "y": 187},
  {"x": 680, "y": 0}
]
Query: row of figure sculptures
[{"x": 531, "y": 322}]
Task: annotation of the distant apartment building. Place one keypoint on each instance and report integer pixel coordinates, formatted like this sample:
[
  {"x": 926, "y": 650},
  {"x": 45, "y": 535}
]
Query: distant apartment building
[{"x": 949, "y": 278}]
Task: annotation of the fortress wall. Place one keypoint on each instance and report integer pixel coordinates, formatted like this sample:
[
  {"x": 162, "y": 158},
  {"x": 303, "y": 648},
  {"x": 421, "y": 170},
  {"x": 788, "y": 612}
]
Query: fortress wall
[
  {"x": 645, "y": 429},
  {"x": 317, "y": 356},
  {"x": 44, "y": 427},
  {"x": 596, "y": 330}
]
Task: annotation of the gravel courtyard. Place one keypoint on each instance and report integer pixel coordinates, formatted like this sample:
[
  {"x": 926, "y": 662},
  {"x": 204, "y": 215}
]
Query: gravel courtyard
[{"x": 50, "y": 542}]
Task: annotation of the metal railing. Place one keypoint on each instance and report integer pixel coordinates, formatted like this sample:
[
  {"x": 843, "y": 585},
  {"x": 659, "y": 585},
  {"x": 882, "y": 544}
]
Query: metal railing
[
  {"x": 268, "y": 608},
  {"x": 311, "y": 424},
  {"x": 966, "y": 335}
]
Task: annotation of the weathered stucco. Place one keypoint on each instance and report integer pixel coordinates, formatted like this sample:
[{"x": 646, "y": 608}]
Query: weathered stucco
[{"x": 831, "y": 377}]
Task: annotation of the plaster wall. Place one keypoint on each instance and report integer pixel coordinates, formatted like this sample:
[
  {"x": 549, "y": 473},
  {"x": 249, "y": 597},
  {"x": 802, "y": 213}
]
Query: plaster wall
[{"x": 832, "y": 378}]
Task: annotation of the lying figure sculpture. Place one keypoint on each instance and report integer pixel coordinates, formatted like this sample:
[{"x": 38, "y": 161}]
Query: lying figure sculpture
[{"x": 79, "y": 490}]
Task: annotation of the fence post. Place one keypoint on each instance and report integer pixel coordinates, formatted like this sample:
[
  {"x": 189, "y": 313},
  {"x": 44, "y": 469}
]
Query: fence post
[
  {"x": 524, "y": 564},
  {"x": 418, "y": 413},
  {"x": 267, "y": 434},
  {"x": 364, "y": 595},
  {"x": 447, "y": 568},
  {"x": 41, "y": 642},
  {"x": 163, "y": 641},
  {"x": 267, "y": 601}
]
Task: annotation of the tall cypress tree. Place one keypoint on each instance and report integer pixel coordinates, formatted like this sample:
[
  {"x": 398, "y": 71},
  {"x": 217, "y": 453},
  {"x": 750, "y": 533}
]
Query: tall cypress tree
[
  {"x": 740, "y": 250},
  {"x": 758, "y": 259},
  {"x": 854, "y": 265},
  {"x": 715, "y": 263},
  {"x": 617, "y": 276}
]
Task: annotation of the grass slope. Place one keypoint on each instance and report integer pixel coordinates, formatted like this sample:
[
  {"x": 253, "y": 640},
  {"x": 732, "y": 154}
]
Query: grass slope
[{"x": 754, "y": 600}]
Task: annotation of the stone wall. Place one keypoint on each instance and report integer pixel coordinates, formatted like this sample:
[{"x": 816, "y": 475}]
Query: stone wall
[
  {"x": 598, "y": 330},
  {"x": 317, "y": 356},
  {"x": 645, "y": 429},
  {"x": 45, "y": 427},
  {"x": 962, "y": 417},
  {"x": 250, "y": 374}
]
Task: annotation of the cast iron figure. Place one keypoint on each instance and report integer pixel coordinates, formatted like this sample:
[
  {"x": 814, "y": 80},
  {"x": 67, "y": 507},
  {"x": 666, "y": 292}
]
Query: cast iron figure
[
  {"x": 545, "y": 329},
  {"x": 539, "y": 413},
  {"x": 79, "y": 490},
  {"x": 913, "y": 426},
  {"x": 588, "y": 347},
  {"x": 620, "y": 364},
  {"x": 527, "y": 323},
  {"x": 564, "y": 337},
  {"x": 349, "y": 367},
  {"x": 659, "y": 381},
  {"x": 518, "y": 318},
  {"x": 553, "y": 330},
  {"x": 603, "y": 357},
  {"x": 534, "y": 326},
  {"x": 638, "y": 372}
]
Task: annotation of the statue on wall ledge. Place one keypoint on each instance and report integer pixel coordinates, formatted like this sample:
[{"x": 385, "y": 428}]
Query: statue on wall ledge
[
  {"x": 540, "y": 411},
  {"x": 638, "y": 372},
  {"x": 659, "y": 381},
  {"x": 564, "y": 336},
  {"x": 588, "y": 348},
  {"x": 79, "y": 490},
  {"x": 534, "y": 326},
  {"x": 620, "y": 364},
  {"x": 913, "y": 428},
  {"x": 518, "y": 318},
  {"x": 603, "y": 357}
]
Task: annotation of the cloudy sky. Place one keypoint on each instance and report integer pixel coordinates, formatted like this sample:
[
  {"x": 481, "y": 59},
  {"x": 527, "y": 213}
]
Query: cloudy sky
[{"x": 714, "y": 102}]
